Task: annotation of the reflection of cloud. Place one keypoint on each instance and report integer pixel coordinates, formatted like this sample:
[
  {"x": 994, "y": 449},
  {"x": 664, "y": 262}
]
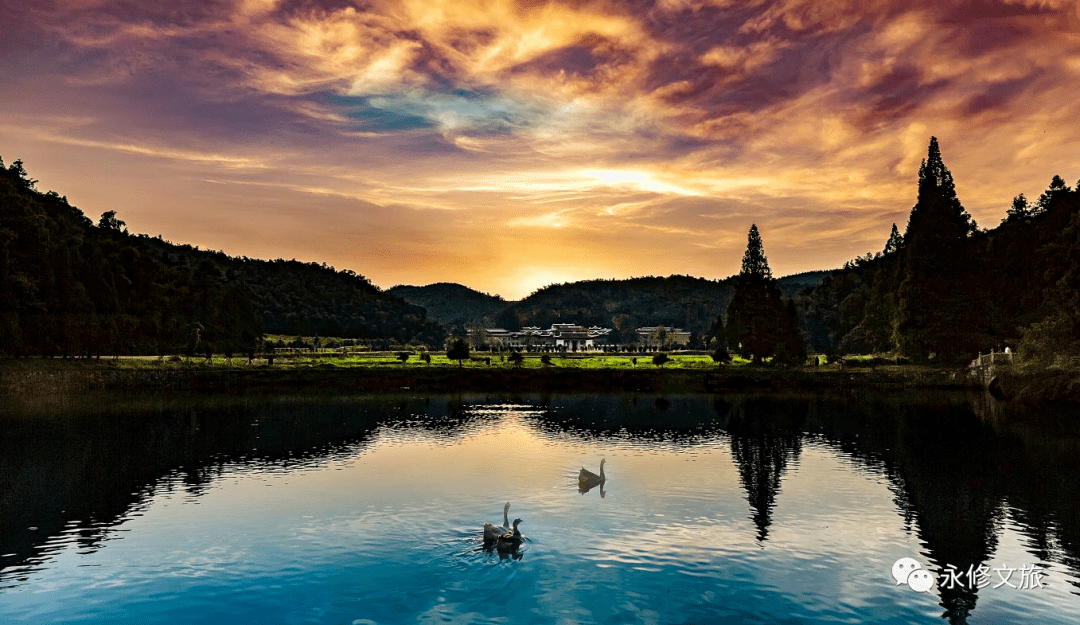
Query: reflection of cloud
[{"x": 778, "y": 112}]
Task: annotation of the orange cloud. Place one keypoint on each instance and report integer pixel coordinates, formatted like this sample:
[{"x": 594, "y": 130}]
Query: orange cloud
[{"x": 483, "y": 141}]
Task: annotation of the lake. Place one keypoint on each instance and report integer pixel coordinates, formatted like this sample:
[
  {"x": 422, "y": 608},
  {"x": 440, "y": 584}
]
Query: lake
[{"x": 369, "y": 509}]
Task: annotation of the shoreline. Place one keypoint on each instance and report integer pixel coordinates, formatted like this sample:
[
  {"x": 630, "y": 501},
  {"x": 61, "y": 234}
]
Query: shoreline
[
  {"x": 58, "y": 376},
  {"x": 39, "y": 377}
]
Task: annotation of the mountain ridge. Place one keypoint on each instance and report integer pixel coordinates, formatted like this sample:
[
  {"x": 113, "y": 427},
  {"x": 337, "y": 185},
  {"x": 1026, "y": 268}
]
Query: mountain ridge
[{"x": 688, "y": 302}]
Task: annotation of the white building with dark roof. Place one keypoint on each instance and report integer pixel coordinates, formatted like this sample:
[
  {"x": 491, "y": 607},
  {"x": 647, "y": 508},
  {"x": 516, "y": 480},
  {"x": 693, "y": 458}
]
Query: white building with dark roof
[
  {"x": 571, "y": 337},
  {"x": 559, "y": 337},
  {"x": 663, "y": 336}
]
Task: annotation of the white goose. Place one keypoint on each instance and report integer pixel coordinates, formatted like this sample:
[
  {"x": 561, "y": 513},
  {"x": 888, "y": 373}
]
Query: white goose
[{"x": 493, "y": 532}]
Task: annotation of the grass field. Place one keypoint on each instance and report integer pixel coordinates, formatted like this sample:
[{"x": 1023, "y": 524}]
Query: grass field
[
  {"x": 307, "y": 370},
  {"x": 307, "y": 359}
]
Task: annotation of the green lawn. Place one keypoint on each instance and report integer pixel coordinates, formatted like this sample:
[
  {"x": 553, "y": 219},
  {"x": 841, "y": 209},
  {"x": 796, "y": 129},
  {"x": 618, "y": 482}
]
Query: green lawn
[{"x": 388, "y": 359}]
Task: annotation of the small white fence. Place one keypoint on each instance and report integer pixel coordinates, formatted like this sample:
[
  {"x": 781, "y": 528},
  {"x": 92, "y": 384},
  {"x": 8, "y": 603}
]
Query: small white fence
[{"x": 994, "y": 358}]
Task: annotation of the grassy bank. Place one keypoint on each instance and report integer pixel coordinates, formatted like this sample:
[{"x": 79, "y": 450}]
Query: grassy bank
[
  {"x": 383, "y": 372},
  {"x": 1035, "y": 385}
]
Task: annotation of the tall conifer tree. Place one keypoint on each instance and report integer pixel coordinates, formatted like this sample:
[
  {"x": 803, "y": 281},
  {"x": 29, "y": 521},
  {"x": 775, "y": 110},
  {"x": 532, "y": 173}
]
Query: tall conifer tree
[
  {"x": 1019, "y": 209},
  {"x": 895, "y": 242},
  {"x": 754, "y": 262},
  {"x": 759, "y": 323},
  {"x": 932, "y": 317}
]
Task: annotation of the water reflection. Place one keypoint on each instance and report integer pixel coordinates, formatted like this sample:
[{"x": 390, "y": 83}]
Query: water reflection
[
  {"x": 968, "y": 479},
  {"x": 82, "y": 476},
  {"x": 765, "y": 438},
  {"x": 584, "y": 488}
]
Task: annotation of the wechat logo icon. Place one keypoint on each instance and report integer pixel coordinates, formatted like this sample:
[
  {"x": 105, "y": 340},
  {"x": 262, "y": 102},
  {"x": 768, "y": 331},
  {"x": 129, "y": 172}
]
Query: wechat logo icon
[{"x": 909, "y": 571}]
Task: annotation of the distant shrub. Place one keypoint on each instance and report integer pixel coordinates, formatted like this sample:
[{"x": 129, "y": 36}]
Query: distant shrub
[
  {"x": 458, "y": 351},
  {"x": 721, "y": 356}
]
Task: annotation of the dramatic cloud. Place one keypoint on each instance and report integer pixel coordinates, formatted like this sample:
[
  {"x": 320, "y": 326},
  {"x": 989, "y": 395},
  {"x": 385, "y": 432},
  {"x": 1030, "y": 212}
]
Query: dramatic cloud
[{"x": 506, "y": 145}]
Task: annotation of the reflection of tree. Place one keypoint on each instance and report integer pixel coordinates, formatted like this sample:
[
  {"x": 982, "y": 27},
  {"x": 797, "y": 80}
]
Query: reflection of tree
[
  {"x": 84, "y": 473},
  {"x": 678, "y": 419},
  {"x": 1038, "y": 455},
  {"x": 765, "y": 436},
  {"x": 945, "y": 467}
]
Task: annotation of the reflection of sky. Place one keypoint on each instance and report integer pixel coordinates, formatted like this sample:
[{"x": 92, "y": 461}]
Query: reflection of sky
[
  {"x": 391, "y": 534},
  {"x": 383, "y": 136}
]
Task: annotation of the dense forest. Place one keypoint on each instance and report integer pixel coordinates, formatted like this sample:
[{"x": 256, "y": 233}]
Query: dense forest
[
  {"x": 623, "y": 305},
  {"x": 693, "y": 304},
  {"x": 453, "y": 305},
  {"x": 946, "y": 290},
  {"x": 69, "y": 287}
]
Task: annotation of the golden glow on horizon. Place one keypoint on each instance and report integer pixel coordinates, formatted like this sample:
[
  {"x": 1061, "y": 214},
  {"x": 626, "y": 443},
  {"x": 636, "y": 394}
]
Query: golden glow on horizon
[{"x": 470, "y": 138}]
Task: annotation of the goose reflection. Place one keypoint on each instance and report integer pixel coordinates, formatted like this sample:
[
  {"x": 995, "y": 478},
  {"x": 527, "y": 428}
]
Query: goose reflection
[{"x": 585, "y": 489}]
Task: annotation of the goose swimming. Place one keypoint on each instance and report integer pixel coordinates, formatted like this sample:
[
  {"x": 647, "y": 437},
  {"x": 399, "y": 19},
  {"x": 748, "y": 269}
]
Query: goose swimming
[
  {"x": 492, "y": 531},
  {"x": 588, "y": 479},
  {"x": 510, "y": 540}
]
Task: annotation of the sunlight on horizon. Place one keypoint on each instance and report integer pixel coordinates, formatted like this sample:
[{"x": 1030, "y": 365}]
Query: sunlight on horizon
[{"x": 441, "y": 131}]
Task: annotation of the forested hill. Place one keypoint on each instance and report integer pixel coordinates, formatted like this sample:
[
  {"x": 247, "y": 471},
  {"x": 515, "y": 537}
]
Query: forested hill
[
  {"x": 791, "y": 285},
  {"x": 623, "y": 305},
  {"x": 453, "y": 305},
  {"x": 70, "y": 287},
  {"x": 308, "y": 299},
  {"x": 947, "y": 290}
]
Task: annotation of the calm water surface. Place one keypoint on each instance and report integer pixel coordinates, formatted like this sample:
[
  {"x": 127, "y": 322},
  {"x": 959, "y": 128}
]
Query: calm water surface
[{"x": 365, "y": 510}]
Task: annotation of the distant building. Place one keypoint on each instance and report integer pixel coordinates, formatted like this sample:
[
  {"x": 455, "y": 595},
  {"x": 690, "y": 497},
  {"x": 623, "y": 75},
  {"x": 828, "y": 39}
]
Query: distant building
[
  {"x": 559, "y": 337},
  {"x": 571, "y": 337},
  {"x": 661, "y": 337}
]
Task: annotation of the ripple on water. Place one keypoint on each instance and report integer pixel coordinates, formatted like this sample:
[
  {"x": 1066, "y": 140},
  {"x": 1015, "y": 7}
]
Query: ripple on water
[{"x": 388, "y": 530}]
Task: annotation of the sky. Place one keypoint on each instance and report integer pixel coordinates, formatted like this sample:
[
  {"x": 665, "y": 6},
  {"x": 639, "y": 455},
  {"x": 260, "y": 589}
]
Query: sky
[{"x": 509, "y": 145}]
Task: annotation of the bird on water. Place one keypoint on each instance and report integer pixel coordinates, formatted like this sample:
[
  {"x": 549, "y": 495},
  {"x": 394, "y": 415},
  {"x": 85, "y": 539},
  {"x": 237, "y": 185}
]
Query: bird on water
[
  {"x": 587, "y": 479},
  {"x": 509, "y": 541},
  {"x": 492, "y": 531}
]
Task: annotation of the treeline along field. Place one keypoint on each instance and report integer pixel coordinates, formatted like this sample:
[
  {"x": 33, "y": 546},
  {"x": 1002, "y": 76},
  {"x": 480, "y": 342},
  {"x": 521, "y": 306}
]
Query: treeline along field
[
  {"x": 947, "y": 289},
  {"x": 69, "y": 287}
]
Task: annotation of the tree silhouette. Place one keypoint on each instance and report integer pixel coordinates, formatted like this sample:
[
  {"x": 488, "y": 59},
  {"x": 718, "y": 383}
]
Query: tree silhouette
[
  {"x": 934, "y": 309},
  {"x": 458, "y": 351},
  {"x": 109, "y": 221},
  {"x": 895, "y": 242},
  {"x": 1057, "y": 188},
  {"x": 721, "y": 356},
  {"x": 660, "y": 359},
  {"x": 758, "y": 320},
  {"x": 1019, "y": 210},
  {"x": 754, "y": 262}
]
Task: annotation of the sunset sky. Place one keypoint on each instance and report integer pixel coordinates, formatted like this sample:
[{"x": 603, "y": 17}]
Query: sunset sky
[{"x": 509, "y": 145}]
